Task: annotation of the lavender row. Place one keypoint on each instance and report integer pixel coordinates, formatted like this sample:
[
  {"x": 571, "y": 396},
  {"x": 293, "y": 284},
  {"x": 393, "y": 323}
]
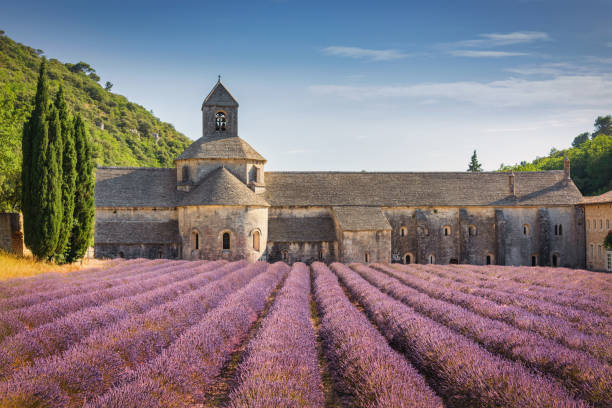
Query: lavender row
[
  {"x": 367, "y": 367},
  {"x": 281, "y": 368},
  {"x": 104, "y": 358},
  {"x": 463, "y": 371},
  {"x": 562, "y": 278},
  {"x": 589, "y": 378},
  {"x": 183, "y": 373},
  {"x": 126, "y": 276},
  {"x": 570, "y": 299},
  {"x": 55, "y": 337},
  {"x": 579, "y": 319},
  {"x": 550, "y": 327},
  {"x": 15, "y": 321},
  {"x": 528, "y": 277},
  {"x": 20, "y": 286}
]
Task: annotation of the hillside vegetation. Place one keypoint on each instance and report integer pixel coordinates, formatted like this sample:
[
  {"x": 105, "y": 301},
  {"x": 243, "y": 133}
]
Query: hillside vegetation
[
  {"x": 590, "y": 159},
  {"x": 132, "y": 135}
]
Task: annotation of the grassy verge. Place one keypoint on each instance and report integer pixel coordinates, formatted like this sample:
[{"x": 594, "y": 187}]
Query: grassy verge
[{"x": 12, "y": 266}]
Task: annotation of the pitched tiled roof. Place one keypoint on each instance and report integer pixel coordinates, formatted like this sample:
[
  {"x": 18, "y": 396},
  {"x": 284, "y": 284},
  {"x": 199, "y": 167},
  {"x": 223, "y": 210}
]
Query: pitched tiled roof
[
  {"x": 227, "y": 147},
  {"x": 418, "y": 189},
  {"x": 135, "y": 187},
  {"x": 136, "y": 232},
  {"x": 603, "y": 198},
  {"x": 361, "y": 219},
  {"x": 301, "y": 229},
  {"x": 220, "y": 187},
  {"x": 220, "y": 96}
]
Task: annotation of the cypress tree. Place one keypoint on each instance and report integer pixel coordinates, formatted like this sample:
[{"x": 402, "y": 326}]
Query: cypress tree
[
  {"x": 68, "y": 175},
  {"x": 50, "y": 214},
  {"x": 474, "y": 165},
  {"x": 34, "y": 146},
  {"x": 84, "y": 209}
]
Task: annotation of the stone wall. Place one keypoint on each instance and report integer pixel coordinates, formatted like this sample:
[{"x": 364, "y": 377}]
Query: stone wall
[
  {"x": 210, "y": 222},
  {"x": 598, "y": 224},
  {"x": 355, "y": 244},
  {"x": 11, "y": 233},
  {"x": 481, "y": 235},
  {"x": 307, "y": 252}
]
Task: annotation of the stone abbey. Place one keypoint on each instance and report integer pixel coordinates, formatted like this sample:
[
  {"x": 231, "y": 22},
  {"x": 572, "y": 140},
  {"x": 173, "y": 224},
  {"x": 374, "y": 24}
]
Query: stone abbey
[{"x": 220, "y": 203}]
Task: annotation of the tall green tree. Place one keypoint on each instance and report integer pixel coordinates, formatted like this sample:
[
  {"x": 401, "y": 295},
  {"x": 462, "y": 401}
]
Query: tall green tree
[
  {"x": 580, "y": 139},
  {"x": 50, "y": 199},
  {"x": 35, "y": 141},
  {"x": 474, "y": 165},
  {"x": 69, "y": 175},
  {"x": 84, "y": 206},
  {"x": 603, "y": 126}
]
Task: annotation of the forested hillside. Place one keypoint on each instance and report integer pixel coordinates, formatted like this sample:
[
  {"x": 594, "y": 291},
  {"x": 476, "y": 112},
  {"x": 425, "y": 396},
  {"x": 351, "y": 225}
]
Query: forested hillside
[
  {"x": 123, "y": 133},
  {"x": 590, "y": 157}
]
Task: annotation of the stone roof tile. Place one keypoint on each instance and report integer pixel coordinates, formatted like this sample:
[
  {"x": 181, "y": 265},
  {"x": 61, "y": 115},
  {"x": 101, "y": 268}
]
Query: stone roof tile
[
  {"x": 361, "y": 219},
  {"x": 418, "y": 189},
  {"x": 301, "y": 229},
  {"x": 136, "y": 232},
  {"x": 135, "y": 187},
  {"x": 600, "y": 199},
  {"x": 225, "y": 147},
  {"x": 220, "y": 96},
  {"x": 221, "y": 187}
]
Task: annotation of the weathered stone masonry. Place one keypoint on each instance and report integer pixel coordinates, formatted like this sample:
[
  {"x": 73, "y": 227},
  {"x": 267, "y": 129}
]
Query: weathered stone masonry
[{"x": 218, "y": 202}]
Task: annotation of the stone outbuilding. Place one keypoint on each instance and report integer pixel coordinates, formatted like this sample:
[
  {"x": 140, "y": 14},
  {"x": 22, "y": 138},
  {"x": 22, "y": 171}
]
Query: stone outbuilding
[{"x": 219, "y": 202}]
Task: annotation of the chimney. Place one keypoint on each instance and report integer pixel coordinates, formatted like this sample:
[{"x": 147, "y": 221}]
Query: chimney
[
  {"x": 511, "y": 184},
  {"x": 566, "y": 169}
]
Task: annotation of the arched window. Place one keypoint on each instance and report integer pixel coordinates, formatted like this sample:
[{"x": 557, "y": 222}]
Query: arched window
[
  {"x": 195, "y": 240},
  {"x": 556, "y": 230},
  {"x": 431, "y": 258},
  {"x": 185, "y": 174},
  {"x": 560, "y": 229},
  {"x": 526, "y": 229},
  {"x": 556, "y": 260},
  {"x": 403, "y": 231},
  {"x": 256, "y": 240},
  {"x": 220, "y": 121},
  {"x": 607, "y": 224},
  {"x": 367, "y": 256},
  {"x": 408, "y": 258},
  {"x": 226, "y": 241},
  {"x": 447, "y": 230},
  {"x": 472, "y": 230},
  {"x": 601, "y": 224},
  {"x": 489, "y": 259},
  {"x": 285, "y": 255},
  {"x": 534, "y": 260},
  {"x": 592, "y": 251},
  {"x": 320, "y": 254}
]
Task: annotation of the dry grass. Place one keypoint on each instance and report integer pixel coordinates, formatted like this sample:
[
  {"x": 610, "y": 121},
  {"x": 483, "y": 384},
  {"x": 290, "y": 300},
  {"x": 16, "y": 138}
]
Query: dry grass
[{"x": 12, "y": 266}]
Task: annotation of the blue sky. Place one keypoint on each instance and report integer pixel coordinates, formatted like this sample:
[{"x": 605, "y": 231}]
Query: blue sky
[{"x": 335, "y": 85}]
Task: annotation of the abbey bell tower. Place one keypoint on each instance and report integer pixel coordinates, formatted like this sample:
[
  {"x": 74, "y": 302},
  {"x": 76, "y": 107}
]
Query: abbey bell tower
[{"x": 219, "y": 114}]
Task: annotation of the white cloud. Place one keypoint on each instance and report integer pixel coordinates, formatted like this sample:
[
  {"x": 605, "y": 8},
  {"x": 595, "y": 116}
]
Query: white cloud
[
  {"x": 575, "y": 91},
  {"x": 499, "y": 39},
  {"x": 364, "y": 53},
  {"x": 486, "y": 54}
]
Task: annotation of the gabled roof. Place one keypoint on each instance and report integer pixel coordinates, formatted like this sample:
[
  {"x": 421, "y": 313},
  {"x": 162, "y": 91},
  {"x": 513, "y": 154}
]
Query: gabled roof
[
  {"x": 418, "y": 189},
  {"x": 361, "y": 219},
  {"x": 220, "y": 187},
  {"x": 135, "y": 187},
  {"x": 220, "y": 96},
  {"x": 301, "y": 229},
  {"x": 600, "y": 199},
  {"x": 229, "y": 147}
]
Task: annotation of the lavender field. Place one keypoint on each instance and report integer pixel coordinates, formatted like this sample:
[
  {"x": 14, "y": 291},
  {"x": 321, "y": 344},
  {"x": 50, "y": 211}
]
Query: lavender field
[{"x": 164, "y": 333}]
